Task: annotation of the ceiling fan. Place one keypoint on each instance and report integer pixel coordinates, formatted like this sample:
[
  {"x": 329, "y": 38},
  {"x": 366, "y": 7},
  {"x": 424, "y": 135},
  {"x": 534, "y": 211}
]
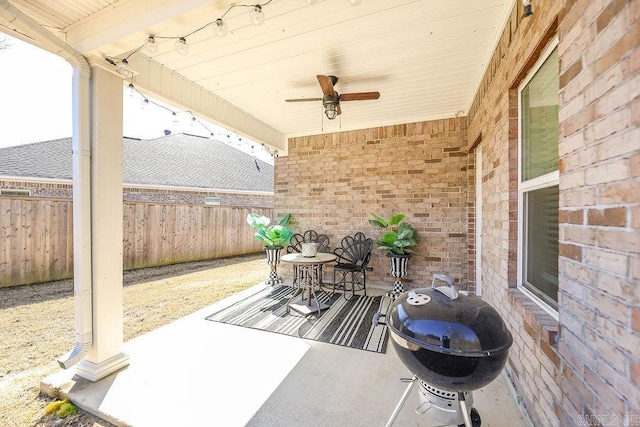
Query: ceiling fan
[{"x": 331, "y": 99}]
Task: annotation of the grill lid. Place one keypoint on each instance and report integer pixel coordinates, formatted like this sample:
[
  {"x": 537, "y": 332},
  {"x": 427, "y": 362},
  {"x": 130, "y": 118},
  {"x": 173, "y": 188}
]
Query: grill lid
[{"x": 444, "y": 321}]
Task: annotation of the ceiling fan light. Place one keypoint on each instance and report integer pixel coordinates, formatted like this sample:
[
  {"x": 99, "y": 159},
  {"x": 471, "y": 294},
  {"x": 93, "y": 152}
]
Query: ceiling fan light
[
  {"x": 181, "y": 46},
  {"x": 256, "y": 15},
  {"x": 331, "y": 111},
  {"x": 220, "y": 28},
  {"x": 151, "y": 46}
]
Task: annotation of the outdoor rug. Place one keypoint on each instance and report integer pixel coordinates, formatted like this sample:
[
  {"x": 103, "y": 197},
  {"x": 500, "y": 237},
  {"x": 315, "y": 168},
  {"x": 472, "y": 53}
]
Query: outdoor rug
[{"x": 346, "y": 323}]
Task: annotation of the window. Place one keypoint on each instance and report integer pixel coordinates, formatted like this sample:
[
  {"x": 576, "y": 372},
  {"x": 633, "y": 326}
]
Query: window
[
  {"x": 212, "y": 201},
  {"x": 15, "y": 192},
  {"x": 538, "y": 181}
]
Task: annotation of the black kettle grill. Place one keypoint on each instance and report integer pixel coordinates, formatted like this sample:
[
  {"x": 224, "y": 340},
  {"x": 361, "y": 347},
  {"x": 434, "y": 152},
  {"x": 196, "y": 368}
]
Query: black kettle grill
[{"x": 454, "y": 343}]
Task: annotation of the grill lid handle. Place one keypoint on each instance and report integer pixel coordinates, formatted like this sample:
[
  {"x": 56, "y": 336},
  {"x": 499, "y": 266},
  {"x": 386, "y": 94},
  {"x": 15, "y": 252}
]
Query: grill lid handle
[{"x": 450, "y": 290}]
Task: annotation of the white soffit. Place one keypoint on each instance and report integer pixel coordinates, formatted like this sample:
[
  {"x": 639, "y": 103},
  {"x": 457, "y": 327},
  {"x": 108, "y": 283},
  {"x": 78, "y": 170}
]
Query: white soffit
[{"x": 425, "y": 57}]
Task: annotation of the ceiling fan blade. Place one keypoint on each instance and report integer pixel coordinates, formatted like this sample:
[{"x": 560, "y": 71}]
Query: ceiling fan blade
[
  {"x": 327, "y": 85},
  {"x": 303, "y": 99},
  {"x": 359, "y": 96}
]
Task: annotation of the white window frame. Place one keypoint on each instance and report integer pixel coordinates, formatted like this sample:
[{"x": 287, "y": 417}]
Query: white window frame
[{"x": 544, "y": 181}]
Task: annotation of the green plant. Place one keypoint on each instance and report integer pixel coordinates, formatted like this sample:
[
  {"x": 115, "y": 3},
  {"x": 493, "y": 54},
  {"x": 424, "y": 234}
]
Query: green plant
[
  {"x": 400, "y": 237},
  {"x": 62, "y": 408},
  {"x": 272, "y": 236}
]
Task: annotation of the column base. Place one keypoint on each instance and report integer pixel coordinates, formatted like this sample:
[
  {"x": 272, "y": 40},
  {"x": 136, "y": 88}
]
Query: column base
[{"x": 95, "y": 372}]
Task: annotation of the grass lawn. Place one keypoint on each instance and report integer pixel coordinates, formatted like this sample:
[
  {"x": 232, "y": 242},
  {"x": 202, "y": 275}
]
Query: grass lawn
[{"x": 37, "y": 325}]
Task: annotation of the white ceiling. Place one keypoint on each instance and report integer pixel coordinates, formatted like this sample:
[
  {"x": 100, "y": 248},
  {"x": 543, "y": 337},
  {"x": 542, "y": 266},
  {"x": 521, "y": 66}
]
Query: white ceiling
[{"x": 425, "y": 57}]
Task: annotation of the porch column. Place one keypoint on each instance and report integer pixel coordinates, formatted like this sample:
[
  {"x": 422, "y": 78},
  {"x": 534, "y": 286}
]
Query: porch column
[{"x": 105, "y": 355}]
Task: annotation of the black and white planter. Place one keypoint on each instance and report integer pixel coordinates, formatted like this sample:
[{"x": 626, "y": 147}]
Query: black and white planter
[
  {"x": 398, "y": 271},
  {"x": 273, "y": 259}
]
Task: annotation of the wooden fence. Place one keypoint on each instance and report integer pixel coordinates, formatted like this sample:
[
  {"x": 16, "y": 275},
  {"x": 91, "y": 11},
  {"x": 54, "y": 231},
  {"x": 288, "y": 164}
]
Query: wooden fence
[{"x": 36, "y": 236}]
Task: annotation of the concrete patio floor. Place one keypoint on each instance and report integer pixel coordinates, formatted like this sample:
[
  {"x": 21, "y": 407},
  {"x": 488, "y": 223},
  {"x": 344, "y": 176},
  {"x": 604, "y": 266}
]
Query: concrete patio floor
[{"x": 195, "y": 372}]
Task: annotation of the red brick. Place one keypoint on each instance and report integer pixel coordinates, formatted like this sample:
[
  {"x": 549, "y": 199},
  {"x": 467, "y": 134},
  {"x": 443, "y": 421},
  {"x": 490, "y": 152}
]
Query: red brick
[
  {"x": 578, "y": 121},
  {"x": 580, "y": 235},
  {"x": 619, "y": 97},
  {"x": 612, "y": 217},
  {"x": 571, "y": 216},
  {"x": 620, "y": 48},
  {"x": 635, "y": 319},
  {"x": 622, "y": 192},
  {"x": 635, "y": 166},
  {"x": 610, "y": 261},
  {"x": 616, "y": 121},
  {"x": 635, "y": 371},
  {"x": 570, "y": 73},
  {"x": 608, "y": 306},
  {"x": 609, "y": 13},
  {"x": 635, "y": 217},
  {"x": 623, "y": 241}
]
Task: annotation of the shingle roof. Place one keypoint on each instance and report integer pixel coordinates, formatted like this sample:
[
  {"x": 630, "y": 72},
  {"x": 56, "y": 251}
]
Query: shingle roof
[{"x": 179, "y": 160}]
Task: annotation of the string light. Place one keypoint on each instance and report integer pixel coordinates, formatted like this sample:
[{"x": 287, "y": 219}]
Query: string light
[
  {"x": 256, "y": 15},
  {"x": 220, "y": 28},
  {"x": 181, "y": 46},
  {"x": 151, "y": 46},
  {"x": 195, "y": 121}
]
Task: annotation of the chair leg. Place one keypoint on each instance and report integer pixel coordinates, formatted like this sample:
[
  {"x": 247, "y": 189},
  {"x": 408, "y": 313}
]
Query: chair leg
[{"x": 364, "y": 282}]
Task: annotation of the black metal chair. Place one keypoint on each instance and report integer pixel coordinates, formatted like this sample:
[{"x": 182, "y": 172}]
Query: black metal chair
[
  {"x": 352, "y": 260},
  {"x": 309, "y": 236}
]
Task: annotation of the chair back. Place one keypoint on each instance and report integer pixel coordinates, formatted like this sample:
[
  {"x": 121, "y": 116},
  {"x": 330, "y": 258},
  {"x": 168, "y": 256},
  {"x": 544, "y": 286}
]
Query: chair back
[
  {"x": 355, "y": 250},
  {"x": 309, "y": 236}
]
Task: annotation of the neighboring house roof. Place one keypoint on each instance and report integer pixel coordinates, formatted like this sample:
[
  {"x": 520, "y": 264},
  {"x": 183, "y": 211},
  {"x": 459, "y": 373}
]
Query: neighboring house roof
[{"x": 179, "y": 160}]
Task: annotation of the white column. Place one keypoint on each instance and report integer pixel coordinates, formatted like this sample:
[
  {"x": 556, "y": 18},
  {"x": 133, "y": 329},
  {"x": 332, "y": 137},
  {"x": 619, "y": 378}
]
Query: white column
[{"x": 105, "y": 355}]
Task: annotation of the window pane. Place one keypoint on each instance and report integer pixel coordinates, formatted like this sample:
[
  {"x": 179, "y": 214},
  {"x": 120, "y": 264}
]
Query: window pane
[
  {"x": 540, "y": 122},
  {"x": 541, "y": 252}
]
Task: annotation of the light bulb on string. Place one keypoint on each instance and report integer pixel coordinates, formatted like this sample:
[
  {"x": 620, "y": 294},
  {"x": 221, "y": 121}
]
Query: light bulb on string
[
  {"x": 181, "y": 46},
  {"x": 151, "y": 46},
  {"x": 131, "y": 90},
  {"x": 220, "y": 28},
  {"x": 256, "y": 15},
  {"x": 144, "y": 103},
  {"x": 175, "y": 117},
  {"x": 193, "y": 121}
]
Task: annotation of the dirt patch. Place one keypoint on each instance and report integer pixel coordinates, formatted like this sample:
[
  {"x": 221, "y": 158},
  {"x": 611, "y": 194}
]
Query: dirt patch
[{"x": 37, "y": 325}]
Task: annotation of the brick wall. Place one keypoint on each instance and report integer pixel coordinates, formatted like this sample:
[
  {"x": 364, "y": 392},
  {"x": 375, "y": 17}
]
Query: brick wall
[
  {"x": 585, "y": 368},
  {"x": 582, "y": 370},
  {"x": 132, "y": 194},
  {"x": 600, "y": 209},
  {"x": 331, "y": 183}
]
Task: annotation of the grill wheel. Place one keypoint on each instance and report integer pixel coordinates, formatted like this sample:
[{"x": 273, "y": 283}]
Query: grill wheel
[{"x": 475, "y": 418}]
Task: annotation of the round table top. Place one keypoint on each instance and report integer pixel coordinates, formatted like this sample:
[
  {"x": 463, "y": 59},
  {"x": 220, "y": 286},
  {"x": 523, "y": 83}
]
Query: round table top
[{"x": 297, "y": 258}]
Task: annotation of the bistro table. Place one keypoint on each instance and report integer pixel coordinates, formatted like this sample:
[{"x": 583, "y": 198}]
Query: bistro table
[{"x": 307, "y": 278}]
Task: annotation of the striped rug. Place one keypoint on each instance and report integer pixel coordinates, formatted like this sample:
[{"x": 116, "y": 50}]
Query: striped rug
[{"x": 346, "y": 323}]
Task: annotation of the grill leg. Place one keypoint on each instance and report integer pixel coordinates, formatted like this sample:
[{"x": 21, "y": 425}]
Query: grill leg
[
  {"x": 465, "y": 412},
  {"x": 402, "y": 401}
]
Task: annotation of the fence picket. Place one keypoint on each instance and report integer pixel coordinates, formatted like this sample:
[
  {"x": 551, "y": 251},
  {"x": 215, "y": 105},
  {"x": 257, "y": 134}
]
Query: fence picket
[{"x": 36, "y": 236}]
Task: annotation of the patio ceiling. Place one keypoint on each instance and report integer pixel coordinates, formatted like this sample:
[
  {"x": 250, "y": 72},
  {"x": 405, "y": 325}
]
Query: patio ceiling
[{"x": 425, "y": 57}]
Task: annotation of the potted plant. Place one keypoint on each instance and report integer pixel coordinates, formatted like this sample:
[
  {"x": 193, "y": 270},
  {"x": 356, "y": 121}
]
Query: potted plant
[
  {"x": 274, "y": 238},
  {"x": 397, "y": 241}
]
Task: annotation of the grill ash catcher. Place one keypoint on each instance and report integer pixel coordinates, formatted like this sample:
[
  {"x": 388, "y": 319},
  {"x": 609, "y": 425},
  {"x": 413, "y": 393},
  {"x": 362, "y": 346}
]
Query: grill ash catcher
[{"x": 453, "y": 343}]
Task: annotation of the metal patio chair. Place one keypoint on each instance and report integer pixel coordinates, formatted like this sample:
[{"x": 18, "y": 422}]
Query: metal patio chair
[{"x": 352, "y": 264}]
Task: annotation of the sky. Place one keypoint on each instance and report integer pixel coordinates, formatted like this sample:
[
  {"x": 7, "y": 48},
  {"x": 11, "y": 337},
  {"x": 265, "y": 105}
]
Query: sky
[{"x": 35, "y": 104}]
